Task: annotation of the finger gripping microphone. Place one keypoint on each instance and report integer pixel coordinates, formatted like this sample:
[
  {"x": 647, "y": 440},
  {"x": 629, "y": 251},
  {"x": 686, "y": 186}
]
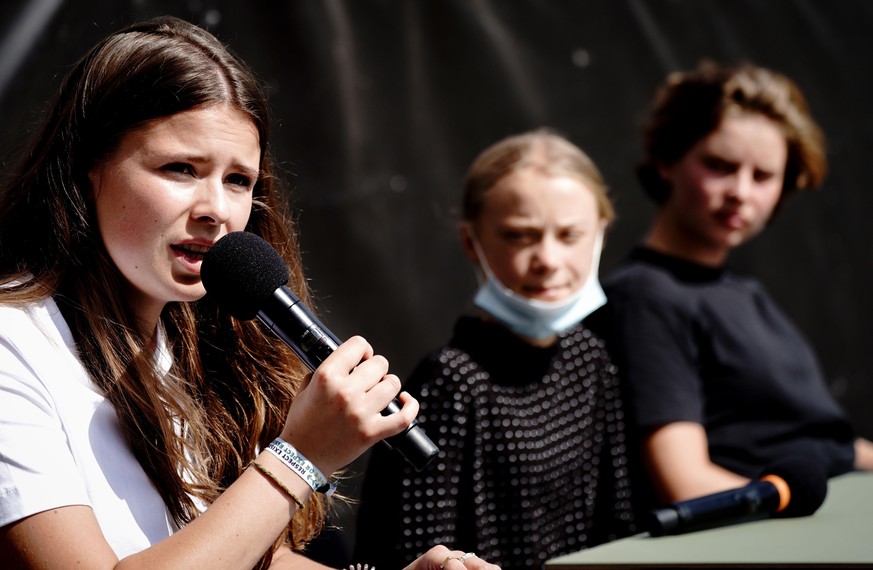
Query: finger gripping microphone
[
  {"x": 793, "y": 487},
  {"x": 247, "y": 277}
]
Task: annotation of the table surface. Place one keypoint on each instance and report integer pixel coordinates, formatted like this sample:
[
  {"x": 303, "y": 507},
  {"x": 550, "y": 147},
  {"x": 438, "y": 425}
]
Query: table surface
[{"x": 838, "y": 535}]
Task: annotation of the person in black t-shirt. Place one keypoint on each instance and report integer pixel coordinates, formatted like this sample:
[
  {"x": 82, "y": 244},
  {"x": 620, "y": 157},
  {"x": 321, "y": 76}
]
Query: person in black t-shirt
[{"x": 718, "y": 381}]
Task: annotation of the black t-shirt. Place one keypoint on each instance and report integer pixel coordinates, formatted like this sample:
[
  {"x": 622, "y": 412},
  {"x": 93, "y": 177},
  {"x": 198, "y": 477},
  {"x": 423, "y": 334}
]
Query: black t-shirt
[{"x": 700, "y": 344}]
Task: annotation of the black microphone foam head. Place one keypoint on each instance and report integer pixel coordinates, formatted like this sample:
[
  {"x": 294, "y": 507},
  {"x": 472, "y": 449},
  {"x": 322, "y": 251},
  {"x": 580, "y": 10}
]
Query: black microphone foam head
[
  {"x": 807, "y": 483},
  {"x": 241, "y": 271}
]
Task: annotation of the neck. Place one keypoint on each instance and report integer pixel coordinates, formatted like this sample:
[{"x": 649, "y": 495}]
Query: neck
[
  {"x": 538, "y": 342},
  {"x": 666, "y": 238},
  {"x": 146, "y": 315}
]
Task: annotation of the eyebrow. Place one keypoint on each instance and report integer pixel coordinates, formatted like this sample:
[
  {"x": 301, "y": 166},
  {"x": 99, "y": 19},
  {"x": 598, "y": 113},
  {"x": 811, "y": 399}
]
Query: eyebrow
[
  {"x": 242, "y": 168},
  {"x": 250, "y": 172}
]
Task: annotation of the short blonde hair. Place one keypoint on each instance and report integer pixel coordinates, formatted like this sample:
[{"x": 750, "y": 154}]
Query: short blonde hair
[{"x": 541, "y": 149}]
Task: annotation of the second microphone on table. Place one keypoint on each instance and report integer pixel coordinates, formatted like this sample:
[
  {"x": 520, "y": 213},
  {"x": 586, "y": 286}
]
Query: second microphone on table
[{"x": 791, "y": 487}]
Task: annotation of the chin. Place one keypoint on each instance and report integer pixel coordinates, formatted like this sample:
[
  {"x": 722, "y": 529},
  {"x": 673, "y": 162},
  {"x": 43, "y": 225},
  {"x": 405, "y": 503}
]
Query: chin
[
  {"x": 188, "y": 293},
  {"x": 551, "y": 297}
]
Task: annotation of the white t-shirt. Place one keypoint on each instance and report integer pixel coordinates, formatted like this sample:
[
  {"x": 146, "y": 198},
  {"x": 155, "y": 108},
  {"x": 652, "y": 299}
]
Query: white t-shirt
[{"x": 60, "y": 442}]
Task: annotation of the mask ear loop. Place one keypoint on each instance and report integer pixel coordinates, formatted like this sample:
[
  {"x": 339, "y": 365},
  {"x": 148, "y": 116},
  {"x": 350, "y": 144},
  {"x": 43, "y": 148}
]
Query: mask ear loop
[
  {"x": 482, "y": 270},
  {"x": 594, "y": 270},
  {"x": 597, "y": 251}
]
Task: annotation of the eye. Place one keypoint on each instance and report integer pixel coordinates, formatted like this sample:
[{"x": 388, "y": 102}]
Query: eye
[
  {"x": 571, "y": 235},
  {"x": 520, "y": 237},
  {"x": 240, "y": 180},
  {"x": 179, "y": 167},
  {"x": 718, "y": 165},
  {"x": 762, "y": 175}
]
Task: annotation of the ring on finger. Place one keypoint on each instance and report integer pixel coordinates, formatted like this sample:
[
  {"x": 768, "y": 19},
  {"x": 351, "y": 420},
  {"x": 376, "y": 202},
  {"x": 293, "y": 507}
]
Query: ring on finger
[{"x": 463, "y": 558}]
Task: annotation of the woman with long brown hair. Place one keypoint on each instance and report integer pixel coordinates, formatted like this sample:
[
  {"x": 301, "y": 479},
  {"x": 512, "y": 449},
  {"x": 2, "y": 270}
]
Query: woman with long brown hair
[{"x": 140, "y": 421}]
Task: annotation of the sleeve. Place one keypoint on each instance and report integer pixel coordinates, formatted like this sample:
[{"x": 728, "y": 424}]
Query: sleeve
[
  {"x": 37, "y": 468},
  {"x": 654, "y": 342},
  {"x": 403, "y": 512}
]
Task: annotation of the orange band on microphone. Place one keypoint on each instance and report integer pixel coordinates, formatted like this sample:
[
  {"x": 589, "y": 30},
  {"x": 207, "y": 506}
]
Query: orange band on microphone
[{"x": 781, "y": 488}]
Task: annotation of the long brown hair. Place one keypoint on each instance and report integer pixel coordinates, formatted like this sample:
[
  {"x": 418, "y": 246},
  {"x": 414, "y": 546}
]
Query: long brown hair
[{"x": 230, "y": 386}]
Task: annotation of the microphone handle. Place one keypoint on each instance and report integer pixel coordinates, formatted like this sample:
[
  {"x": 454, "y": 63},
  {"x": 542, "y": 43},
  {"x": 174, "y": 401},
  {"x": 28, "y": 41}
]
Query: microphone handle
[
  {"x": 312, "y": 342},
  {"x": 757, "y": 499}
]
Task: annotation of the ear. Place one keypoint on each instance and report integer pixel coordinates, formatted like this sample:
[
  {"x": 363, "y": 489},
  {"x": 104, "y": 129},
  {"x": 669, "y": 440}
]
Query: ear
[
  {"x": 665, "y": 171},
  {"x": 93, "y": 178},
  {"x": 466, "y": 235}
]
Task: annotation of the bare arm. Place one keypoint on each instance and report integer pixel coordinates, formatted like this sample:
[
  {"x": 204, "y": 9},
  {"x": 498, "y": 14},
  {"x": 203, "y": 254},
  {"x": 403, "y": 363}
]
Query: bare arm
[
  {"x": 238, "y": 529},
  {"x": 285, "y": 559},
  {"x": 335, "y": 418},
  {"x": 677, "y": 459},
  {"x": 863, "y": 454}
]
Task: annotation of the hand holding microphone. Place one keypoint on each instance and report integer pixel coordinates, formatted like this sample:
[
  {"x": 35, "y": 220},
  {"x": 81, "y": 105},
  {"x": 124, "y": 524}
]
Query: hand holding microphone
[
  {"x": 247, "y": 277},
  {"x": 792, "y": 487},
  {"x": 336, "y": 415}
]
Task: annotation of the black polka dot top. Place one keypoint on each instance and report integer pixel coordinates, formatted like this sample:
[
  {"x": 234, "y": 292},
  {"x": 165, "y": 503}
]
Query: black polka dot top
[{"x": 533, "y": 461}]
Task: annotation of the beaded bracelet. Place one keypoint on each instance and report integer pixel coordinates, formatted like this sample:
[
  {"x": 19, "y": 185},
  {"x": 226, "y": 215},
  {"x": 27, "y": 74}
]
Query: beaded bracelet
[
  {"x": 295, "y": 461},
  {"x": 269, "y": 475}
]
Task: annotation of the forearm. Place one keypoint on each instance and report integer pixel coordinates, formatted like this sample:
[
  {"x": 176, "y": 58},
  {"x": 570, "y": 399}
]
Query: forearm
[
  {"x": 677, "y": 458},
  {"x": 863, "y": 454},
  {"x": 285, "y": 559},
  {"x": 236, "y": 530},
  {"x": 703, "y": 480}
]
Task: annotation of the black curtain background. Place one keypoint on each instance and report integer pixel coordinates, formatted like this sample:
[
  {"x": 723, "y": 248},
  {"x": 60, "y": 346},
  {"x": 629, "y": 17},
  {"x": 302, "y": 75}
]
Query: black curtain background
[{"x": 380, "y": 105}]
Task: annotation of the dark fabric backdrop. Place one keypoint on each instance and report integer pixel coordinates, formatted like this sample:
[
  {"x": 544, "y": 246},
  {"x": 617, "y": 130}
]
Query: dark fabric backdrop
[{"x": 380, "y": 105}]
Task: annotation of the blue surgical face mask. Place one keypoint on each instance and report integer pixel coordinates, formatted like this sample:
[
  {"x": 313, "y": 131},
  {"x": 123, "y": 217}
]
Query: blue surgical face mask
[{"x": 533, "y": 318}]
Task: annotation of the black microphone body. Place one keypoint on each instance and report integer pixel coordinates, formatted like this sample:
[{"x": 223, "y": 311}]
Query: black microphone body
[
  {"x": 754, "y": 501},
  {"x": 292, "y": 322},
  {"x": 247, "y": 276},
  {"x": 804, "y": 487}
]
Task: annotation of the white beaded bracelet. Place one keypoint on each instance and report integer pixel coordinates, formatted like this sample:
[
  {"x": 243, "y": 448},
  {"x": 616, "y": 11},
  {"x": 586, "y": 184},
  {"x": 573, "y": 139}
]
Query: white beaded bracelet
[{"x": 307, "y": 471}]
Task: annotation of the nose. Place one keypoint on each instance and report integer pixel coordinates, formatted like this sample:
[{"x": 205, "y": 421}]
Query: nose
[
  {"x": 210, "y": 203},
  {"x": 741, "y": 186},
  {"x": 546, "y": 254}
]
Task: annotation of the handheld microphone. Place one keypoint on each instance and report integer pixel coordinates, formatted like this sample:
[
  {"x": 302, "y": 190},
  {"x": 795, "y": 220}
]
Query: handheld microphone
[
  {"x": 247, "y": 277},
  {"x": 792, "y": 487}
]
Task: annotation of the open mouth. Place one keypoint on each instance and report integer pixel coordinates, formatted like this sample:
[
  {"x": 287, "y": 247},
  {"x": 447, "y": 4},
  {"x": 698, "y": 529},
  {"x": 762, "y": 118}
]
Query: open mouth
[{"x": 191, "y": 251}]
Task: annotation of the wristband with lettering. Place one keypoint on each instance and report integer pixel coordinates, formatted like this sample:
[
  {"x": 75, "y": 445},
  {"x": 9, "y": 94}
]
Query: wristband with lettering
[{"x": 307, "y": 471}]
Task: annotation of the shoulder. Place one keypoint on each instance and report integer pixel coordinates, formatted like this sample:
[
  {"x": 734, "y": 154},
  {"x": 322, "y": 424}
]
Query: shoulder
[
  {"x": 455, "y": 358},
  {"x": 22, "y": 325},
  {"x": 640, "y": 296},
  {"x": 448, "y": 377},
  {"x": 642, "y": 281},
  {"x": 442, "y": 366},
  {"x": 37, "y": 348},
  {"x": 584, "y": 339}
]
